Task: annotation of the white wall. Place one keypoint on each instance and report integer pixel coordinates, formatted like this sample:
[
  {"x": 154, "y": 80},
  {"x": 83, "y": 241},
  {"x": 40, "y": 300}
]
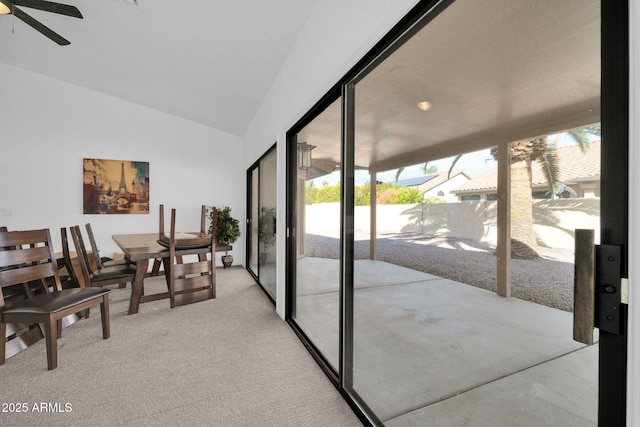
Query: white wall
[
  {"x": 49, "y": 126},
  {"x": 337, "y": 34}
]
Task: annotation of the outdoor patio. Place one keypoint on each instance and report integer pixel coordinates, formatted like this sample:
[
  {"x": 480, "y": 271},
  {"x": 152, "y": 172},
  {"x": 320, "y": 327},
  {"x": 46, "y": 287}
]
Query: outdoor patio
[{"x": 423, "y": 344}]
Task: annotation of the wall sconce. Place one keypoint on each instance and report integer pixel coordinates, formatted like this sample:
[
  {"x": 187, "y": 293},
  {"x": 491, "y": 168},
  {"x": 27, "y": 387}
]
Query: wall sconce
[{"x": 304, "y": 155}]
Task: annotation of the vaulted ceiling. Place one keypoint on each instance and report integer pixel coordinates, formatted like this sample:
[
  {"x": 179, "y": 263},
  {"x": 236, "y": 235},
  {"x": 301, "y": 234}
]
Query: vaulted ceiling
[
  {"x": 494, "y": 71},
  {"x": 211, "y": 62}
]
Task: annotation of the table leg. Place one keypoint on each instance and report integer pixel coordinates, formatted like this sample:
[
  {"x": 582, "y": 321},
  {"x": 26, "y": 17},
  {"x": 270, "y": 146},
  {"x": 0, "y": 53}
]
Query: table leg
[{"x": 136, "y": 286}]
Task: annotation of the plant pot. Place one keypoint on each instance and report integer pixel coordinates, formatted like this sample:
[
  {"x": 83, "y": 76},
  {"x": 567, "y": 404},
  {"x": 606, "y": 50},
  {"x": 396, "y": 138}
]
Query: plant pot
[{"x": 227, "y": 260}]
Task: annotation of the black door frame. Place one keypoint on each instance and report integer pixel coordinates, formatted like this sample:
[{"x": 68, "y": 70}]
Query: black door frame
[
  {"x": 614, "y": 116},
  {"x": 249, "y": 204}
]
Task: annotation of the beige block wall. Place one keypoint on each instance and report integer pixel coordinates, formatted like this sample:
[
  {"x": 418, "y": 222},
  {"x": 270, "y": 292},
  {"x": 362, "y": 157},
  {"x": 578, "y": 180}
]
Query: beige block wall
[{"x": 554, "y": 220}]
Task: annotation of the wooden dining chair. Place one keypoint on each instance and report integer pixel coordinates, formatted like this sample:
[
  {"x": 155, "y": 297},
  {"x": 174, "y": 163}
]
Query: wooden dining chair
[
  {"x": 101, "y": 261},
  {"x": 18, "y": 336},
  {"x": 66, "y": 263},
  {"x": 193, "y": 281},
  {"x": 113, "y": 275},
  {"x": 203, "y": 221},
  {"x": 31, "y": 258}
]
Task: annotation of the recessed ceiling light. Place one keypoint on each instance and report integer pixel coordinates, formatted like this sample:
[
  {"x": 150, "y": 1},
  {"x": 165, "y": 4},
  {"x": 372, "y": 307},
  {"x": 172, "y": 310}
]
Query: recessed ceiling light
[{"x": 424, "y": 105}]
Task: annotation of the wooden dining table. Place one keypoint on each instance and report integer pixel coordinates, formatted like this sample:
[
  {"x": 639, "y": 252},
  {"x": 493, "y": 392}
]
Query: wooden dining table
[{"x": 139, "y": 249}]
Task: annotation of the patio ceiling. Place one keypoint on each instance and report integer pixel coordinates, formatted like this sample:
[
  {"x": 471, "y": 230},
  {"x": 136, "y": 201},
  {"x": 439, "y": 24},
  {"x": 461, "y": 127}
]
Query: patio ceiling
[{"x": 494, "y": 72}]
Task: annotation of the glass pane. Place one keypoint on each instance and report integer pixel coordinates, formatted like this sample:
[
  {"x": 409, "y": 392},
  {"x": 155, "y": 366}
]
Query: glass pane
[
  {"x": 445, "y": 330},
  {"x": 267, "y": 224},
  {"x": 317, "y": 304}
]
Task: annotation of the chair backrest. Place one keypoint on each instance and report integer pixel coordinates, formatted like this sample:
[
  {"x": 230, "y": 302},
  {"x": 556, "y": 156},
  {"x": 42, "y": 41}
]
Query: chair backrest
[
  {"x": 176, "y": 242},
  {"x": 3, "y": 228},
  {"x": 203, "y": 223},
  {"x": 30, "y": 257},
  {"x": 191, "y": 281},
  {"x": 161, "y": 225},
  {"x": 94, "y": 246},
  {"x": 203, "y": 219},
  {"x": 81, "y": 254},
  {"x": 67, "y": 257}
]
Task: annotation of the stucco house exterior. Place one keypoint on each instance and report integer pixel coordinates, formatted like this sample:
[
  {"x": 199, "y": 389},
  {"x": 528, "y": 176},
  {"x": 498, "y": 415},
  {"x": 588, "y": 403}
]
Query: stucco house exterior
[
  {"x": 439, "y": 184},
  {"x": 578, "y": 172}
]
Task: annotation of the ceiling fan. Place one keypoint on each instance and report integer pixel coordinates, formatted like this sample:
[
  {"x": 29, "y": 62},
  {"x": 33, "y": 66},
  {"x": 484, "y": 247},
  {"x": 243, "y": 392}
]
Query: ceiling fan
[{"x": 8, "y": 7}]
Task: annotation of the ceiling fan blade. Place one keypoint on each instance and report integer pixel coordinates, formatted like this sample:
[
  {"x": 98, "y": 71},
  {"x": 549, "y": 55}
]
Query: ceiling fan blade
[
  {"x": 47, "y": 6},
  {"x": 40, "y": 27}
]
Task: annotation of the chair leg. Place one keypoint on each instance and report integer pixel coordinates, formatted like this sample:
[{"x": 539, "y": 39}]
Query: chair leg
[
  {"x": 51, "y": 335},
  {"x": 104, "y": 311},
  {"x": 59, "y": 327},
  {"x": 156, "y": 266},
  {"x": 3, "y": 337},
  {"x": 213, "y": 279}
]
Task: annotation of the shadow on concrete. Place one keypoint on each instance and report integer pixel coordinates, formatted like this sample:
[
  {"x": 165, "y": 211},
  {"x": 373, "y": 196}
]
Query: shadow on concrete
[{"x": 545, "y": 281}]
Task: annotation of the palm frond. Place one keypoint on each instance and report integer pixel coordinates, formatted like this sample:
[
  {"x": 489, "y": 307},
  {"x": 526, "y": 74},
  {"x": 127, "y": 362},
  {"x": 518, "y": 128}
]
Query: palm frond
[
  {"x": 583, "y": 136},
  {"x": 549, "y": 163},
  {"x": 398, "y": 172},
  {"x": 453, "y": 163}
]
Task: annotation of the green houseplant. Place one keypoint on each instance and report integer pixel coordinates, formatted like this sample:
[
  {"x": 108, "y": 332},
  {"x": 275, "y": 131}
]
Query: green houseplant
[{"x": 227, "y": 228}]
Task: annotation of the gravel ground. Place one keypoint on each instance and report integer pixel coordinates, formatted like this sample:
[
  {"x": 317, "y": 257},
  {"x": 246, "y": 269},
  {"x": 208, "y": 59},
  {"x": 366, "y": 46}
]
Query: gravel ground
[{"x": 547, "y": 281}]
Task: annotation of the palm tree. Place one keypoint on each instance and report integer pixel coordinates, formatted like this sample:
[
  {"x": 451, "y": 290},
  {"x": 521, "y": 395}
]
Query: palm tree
[
  {"x": 523, "y": 239},
  {"x": 523, "y": 153}
]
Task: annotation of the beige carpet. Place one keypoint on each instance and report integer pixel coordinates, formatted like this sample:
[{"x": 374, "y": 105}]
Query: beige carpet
[{"x": 225, "y": 362}]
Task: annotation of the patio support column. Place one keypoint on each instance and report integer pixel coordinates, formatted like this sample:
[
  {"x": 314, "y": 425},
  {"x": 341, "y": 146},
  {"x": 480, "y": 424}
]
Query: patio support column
[
  {"x": 503, "y": 249},
  {"x": 372, "y": 220},
  {"x": 302, "y": 208}
]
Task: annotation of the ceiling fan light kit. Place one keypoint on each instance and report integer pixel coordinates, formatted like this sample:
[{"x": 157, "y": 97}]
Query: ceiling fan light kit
[
  {"x": 8, "y": 7},
  {"x": 5, "y": 7}
]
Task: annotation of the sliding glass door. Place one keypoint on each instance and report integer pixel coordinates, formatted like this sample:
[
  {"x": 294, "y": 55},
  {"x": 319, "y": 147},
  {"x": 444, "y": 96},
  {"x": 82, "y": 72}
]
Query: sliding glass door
[
  {"x": 431, "y": 265},
  {"x": 261, "y": 221},
  {"x": 315, "y": 303},
  {"x": 468, "y": 97}
]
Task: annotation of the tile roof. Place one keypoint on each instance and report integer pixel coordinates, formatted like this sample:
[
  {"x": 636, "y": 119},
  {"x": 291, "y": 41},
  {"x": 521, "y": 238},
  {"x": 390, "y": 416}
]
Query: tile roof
[{"x": 572, "y": 165}]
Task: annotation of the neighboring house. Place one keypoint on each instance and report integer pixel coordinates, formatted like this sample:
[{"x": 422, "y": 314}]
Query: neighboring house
[
  {"x": 438, "y": 184},
  {"x": 579, "y": 173}
]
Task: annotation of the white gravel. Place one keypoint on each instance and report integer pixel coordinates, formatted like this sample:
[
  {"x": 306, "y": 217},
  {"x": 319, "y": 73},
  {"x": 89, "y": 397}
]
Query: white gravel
[{"x": 547, "y": 281}]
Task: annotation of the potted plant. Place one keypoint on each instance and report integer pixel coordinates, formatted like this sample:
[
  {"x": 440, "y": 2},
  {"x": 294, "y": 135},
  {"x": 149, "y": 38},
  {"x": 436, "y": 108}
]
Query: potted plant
[
  {"x": 266, "y": 232},
  {"x": 227, "y": 229}
]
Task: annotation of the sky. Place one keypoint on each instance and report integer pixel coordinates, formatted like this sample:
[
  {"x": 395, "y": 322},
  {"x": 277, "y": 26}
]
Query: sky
[{"x": 472, "y": 163}]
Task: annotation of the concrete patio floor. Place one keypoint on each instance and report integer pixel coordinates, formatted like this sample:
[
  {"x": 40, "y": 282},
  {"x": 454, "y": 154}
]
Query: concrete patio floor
[{"x": 431, "y": 351}]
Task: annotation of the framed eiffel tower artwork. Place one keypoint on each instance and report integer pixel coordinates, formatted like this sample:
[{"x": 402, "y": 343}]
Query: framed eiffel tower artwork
[{"x": 115, "y": 187}]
